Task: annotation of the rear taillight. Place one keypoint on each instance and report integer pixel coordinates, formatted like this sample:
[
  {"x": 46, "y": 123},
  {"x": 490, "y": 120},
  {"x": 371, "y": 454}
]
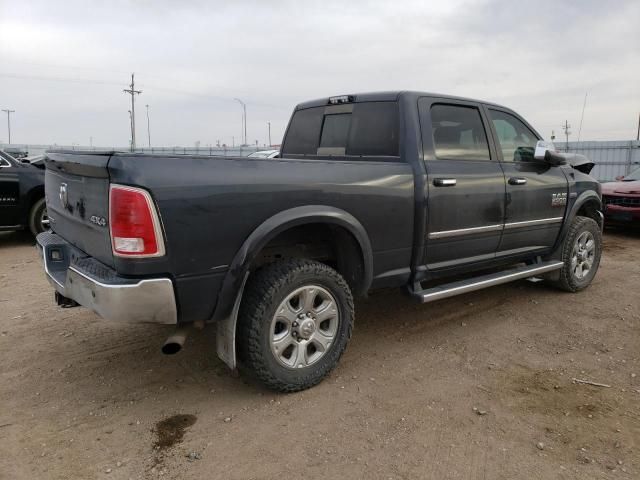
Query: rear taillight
[{"x": 134, "y": 224}]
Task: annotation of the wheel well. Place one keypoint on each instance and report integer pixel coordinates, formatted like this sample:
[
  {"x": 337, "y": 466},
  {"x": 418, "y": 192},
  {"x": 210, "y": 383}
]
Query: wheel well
[
  {"x": 590, "y": 209},
  {"x": 330, "y": 244},
  {"x": 34, "y": 195}
]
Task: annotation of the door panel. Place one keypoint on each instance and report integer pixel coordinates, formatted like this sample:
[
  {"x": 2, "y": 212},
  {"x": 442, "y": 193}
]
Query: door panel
[
  {"x": 536, "y": 192},
  {"x": 534, "y": 209},
  {"x": 9, "y": 194},
  {"x": 466, "y": 186}
]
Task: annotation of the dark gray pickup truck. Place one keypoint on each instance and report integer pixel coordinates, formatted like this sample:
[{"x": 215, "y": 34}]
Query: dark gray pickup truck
[{"x": 440, "y": 195}]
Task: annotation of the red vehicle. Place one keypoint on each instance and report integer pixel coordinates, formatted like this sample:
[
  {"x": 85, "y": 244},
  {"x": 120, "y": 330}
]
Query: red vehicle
[{"x": 621, "y": 200}]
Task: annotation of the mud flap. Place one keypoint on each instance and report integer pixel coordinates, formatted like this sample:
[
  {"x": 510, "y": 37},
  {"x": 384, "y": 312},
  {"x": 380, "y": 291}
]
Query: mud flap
[{"x": 226, "y": 332}]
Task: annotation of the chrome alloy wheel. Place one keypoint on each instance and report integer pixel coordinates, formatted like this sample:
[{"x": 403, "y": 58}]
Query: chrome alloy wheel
[
  {"x": 44, "y": 221},
  {"x": 583, "y": 255},
  {"x": 304, "y": 327}
]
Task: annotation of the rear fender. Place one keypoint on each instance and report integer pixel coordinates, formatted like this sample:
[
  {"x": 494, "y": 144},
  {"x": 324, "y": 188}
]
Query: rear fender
[{"x": 226, "y": 312}]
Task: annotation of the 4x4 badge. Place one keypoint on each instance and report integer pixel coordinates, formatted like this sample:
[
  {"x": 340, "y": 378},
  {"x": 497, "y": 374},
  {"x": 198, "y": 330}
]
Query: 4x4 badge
[{"x": 100, "y": 221}]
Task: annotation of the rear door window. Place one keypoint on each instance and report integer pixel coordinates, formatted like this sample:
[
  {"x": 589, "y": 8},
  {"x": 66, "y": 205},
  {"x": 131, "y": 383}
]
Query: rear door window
[
  {"x": 458, "y": 133},
  {"x": 369, "y": 129}
]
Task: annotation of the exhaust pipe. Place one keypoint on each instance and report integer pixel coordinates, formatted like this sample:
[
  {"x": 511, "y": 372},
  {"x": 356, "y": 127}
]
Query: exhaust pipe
[{"x": 175, "y": 342}]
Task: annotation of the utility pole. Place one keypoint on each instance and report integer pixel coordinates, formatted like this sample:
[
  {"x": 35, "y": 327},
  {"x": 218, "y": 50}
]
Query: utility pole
[
  {"x": 148, "y": 127},
  {"x": 9, "y": 112},
  {"x": 132, "y": 91},
  {"x": 269, "y": 123},
  {"x": 567, "y": 132},
  {"x": 244, "y": 120},
  {"x": 130, "y": 126}
]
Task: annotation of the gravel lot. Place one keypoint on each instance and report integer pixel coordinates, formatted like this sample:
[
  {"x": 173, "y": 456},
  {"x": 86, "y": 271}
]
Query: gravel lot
[{"x": 478, "y": 386}]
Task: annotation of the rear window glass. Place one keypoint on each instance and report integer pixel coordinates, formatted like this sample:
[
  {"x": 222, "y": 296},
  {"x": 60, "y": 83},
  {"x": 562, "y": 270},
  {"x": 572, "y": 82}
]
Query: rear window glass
[
  {"x": 371, "y": 129},
  {"x": 335, "y": 130},
  {"x": 304, "y": 132}
]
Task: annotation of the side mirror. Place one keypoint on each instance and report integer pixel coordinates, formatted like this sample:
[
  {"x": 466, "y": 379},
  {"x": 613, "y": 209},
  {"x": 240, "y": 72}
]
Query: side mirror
[
  {"x": 542, "y": 148},
  {"x": 547, "y": 151},
  {"x": 619, "y": 178}
]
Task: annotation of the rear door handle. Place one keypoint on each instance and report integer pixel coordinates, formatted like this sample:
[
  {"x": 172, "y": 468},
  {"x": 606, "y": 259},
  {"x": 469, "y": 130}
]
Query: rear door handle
[
  {"x": 444, "y": 182},
  {"x": 517, "y": 181}
]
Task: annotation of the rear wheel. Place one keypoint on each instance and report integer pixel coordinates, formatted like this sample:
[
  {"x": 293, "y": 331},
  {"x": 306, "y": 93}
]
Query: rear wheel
[
  {"x": 581, "y": 254},
  {"x": 38, "y": 218},
  {"x": 294, "y": 323}
]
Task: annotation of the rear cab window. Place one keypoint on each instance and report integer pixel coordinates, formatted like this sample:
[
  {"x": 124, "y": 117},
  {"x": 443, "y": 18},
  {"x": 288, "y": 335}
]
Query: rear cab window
[{"x": 355, "y": 130}]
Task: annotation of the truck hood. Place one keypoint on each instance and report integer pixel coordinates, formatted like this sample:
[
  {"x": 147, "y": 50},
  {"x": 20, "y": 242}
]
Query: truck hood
[
  {"x": 579, "y": 162},
  {"x": 625, "y": 188}
]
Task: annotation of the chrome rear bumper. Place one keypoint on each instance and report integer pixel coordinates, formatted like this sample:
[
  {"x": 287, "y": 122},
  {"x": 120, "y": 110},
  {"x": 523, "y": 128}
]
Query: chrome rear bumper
[{"x": 98, "y": 288}]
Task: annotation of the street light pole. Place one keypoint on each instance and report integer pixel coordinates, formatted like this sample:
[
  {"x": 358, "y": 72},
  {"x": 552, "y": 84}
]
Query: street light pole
[
  {"x": 148, "y": 127},
  {"x": 269, "y": 123},
  {"x": 244, "y": 120},
  {"x": 9, "y": 112}
]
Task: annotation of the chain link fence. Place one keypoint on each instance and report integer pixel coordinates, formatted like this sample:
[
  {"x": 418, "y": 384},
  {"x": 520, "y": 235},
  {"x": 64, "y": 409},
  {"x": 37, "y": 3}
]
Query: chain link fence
[{"x": 612, "y": 158}]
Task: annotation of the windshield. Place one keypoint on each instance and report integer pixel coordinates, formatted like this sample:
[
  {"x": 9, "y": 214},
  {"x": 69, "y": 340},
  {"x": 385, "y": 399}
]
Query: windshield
[
  {"x": 261, "y": 154},
  {"x": 5, "y": 159},
  {"x": 635, "y": 175}
]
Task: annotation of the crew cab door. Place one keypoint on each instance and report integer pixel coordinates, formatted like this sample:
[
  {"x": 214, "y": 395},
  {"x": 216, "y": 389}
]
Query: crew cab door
[
  {"x": 466, "y": 185},
  {"x": 536, "y": 191},
  {"x": 9, "y": 194}
]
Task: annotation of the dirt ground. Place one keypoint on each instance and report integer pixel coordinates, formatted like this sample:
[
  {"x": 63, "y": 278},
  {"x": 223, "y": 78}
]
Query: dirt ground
[{"x": 478, "y": 386}]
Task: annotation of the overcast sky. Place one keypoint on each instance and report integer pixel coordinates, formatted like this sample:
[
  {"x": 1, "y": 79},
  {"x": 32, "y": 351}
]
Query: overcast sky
[{"x": 63, "y": 64}]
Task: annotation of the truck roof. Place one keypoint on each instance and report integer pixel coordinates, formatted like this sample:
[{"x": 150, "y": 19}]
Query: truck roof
[{"x": 387, "y": 96}]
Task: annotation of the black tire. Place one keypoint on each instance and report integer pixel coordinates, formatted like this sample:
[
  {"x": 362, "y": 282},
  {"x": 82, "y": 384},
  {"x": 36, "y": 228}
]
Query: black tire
[
  {"x": 37, "y": 213},
  {"x": 265, "y": 291},
  {"x": 569, "y": 280}
]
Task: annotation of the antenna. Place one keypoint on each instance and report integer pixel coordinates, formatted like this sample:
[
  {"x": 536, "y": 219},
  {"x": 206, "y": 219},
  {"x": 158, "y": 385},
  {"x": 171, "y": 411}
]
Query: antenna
[{"x": 582, "y": 116}]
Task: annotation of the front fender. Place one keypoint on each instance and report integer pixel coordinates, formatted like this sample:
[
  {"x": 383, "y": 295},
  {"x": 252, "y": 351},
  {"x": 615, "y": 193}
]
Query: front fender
[{"x": 572, "y": 212}]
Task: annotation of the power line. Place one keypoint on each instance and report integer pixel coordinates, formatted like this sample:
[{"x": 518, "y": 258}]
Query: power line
[
  {"x": 9, "y": 112},
  {"x": 132, "y": 91}
]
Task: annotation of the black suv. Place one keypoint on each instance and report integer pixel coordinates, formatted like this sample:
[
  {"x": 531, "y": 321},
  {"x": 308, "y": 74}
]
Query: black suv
[{"x": 22, "y": 203}]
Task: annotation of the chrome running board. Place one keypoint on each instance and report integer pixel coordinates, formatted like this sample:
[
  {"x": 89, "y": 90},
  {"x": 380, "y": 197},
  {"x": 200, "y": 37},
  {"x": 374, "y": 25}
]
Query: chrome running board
[{"x": 478, "y": 283}]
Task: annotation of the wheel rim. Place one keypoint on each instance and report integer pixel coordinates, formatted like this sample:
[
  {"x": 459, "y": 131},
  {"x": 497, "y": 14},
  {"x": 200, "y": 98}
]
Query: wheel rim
[
  {"x": 44, "y": 220},
  {"x": 583, "y": 255},
  {"x": 304, "y": 327}
]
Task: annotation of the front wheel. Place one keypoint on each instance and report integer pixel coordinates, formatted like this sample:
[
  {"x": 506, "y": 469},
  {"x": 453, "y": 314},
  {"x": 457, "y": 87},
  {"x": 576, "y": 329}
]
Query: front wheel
[
  {"x": 581, "y": 252},
  {"x": 294, "y": 323},
  {"x": 38, "y": 218}
]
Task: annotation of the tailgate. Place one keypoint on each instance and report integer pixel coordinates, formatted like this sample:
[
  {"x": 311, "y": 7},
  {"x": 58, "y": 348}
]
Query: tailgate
[{"x": 77, "y": 195}]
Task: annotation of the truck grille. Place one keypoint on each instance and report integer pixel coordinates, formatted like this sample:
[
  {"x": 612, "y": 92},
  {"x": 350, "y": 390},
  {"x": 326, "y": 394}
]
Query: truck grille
[{"x": 622, "y": 201}]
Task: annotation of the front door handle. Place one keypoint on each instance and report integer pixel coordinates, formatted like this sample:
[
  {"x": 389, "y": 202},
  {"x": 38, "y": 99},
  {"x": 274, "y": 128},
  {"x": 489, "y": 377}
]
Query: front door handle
[
  {"x": 517, "y": 181},
  {"x": 444, "y": 182}
]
